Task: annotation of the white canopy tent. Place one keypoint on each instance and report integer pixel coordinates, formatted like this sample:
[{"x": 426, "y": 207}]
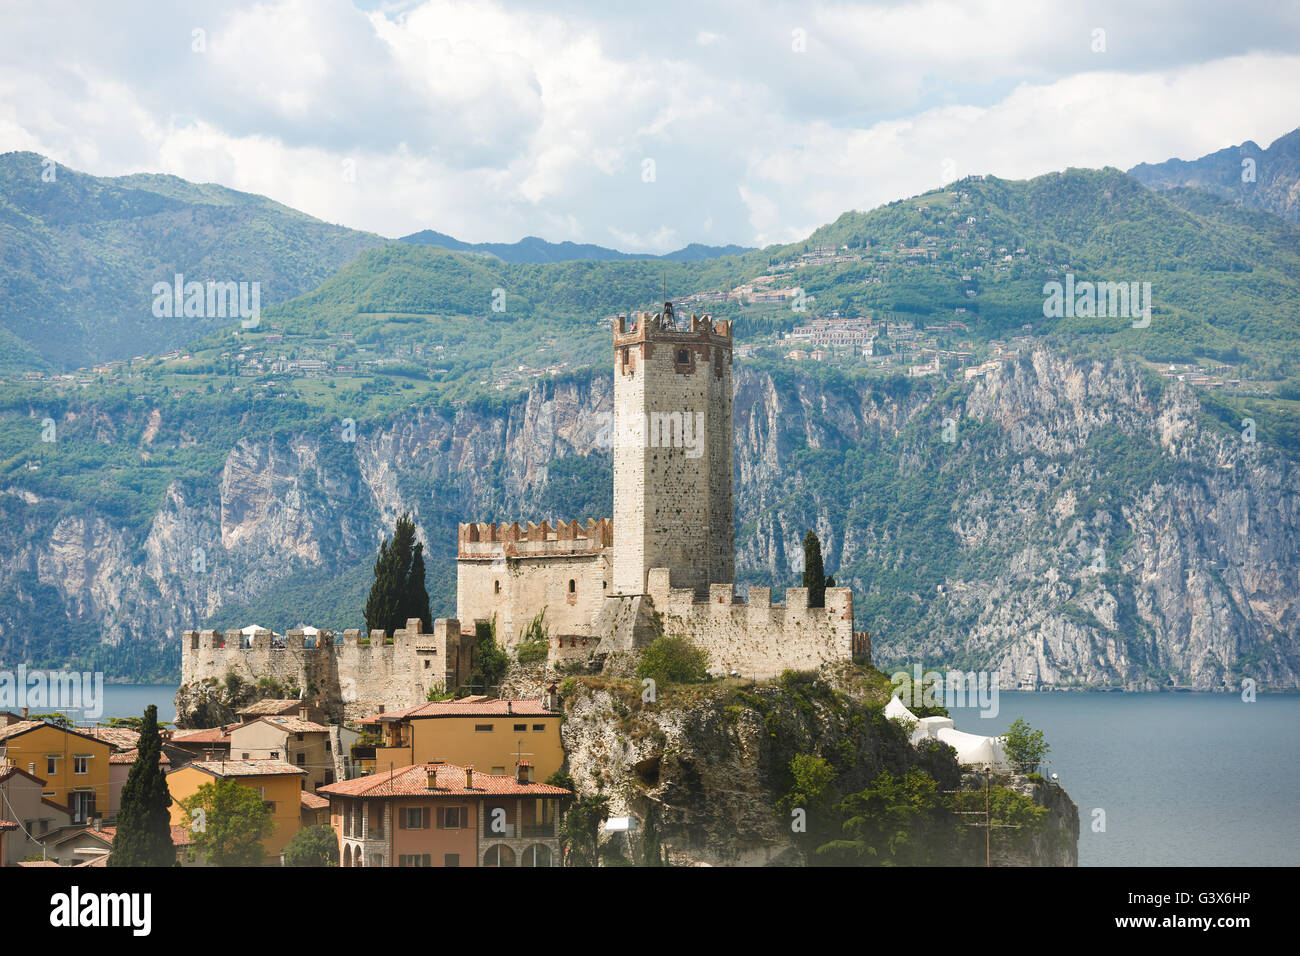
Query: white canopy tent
[{"x": 973, "y": 750}]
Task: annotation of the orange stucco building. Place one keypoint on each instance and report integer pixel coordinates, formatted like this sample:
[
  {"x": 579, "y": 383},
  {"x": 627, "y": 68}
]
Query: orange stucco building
[{"x": 446, "y": 815}]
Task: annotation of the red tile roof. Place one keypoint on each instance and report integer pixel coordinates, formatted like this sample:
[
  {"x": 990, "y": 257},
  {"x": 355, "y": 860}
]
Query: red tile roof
[
  {"x": 413, "y": 781},
  {"x": 294, "y": 725},
  {"x": 208, "y": 735},
  {"x": 468, "y": 707},
  {"x": 106, "y": 834},
  {"x": 129, "y": 756},
  {"x": 9, "y": 771},
  {"x": 274, "y": 706},
  {"x": 312, "y": 802},
  {"x": 25, "y": 726},
  {"x": 181, "y": 836},
  {"x": 243, "y": 768},
  {"x": 120, "y": 738},
  {"x": 6, "y": 825}
]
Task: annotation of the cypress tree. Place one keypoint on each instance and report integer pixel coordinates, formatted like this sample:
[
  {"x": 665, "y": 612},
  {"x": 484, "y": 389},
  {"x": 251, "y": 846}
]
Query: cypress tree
[
  {"x": 144, "y": 836},
  {"x": 391, "y": 599},
  {"x": 417, "y": 595},
  {"x": 814, "y": 575},
  {"x": 381, "y": 604}
]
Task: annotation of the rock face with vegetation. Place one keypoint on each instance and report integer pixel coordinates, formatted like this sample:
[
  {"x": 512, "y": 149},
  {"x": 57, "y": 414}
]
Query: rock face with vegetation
[
  {"x": 738, "y": 773},
  {"x": 217, "y": 703},
  {"x": 1091, "y": 524}
]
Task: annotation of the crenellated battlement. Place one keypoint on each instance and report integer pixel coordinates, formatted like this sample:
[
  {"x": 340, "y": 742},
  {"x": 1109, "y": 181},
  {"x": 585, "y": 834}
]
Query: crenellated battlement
[
  {"x": 488, "y": 539},
  {"x": 639, "y": 326},
  {"x": 352, "y": 672},
  {"x": 757, "y": 636}
]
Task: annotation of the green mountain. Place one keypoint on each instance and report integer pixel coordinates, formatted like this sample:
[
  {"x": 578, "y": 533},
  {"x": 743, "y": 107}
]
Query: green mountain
[
  {"x": 80, "y": 254},
  {"x": 1267, "y": 179},
  {"x": 456, "y": 385},
  {"x": 533, "y": 249}
]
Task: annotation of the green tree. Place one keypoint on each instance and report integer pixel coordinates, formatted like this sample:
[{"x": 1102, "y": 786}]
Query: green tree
[
  {"x": 1024, "y": 746},
  {"x": 897, "y": 821},
  {"x": 313, "y": 846},
  {"x": 232, "y": 822},
  {"x": 811, "y": 798},
  {"x": 417, "y": 594},
  {"x": 814, "y": 574},
  {"x": 390, "y": 600},
  {"x": 490, "y": 662},
  {"x": 580, "y": 830},
  {"x": 673, "y": 660},
  {"x": 144, "y": 836}
]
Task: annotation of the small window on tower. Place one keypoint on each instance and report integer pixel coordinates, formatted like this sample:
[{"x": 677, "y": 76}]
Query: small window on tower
[
  {"x": 573, "y": 587},
  {"x": 497, "y": 586},
  {"x": 683, "y": 357}
]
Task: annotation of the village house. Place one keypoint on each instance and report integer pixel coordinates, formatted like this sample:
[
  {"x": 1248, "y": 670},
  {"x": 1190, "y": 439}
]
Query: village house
[
  {"x": 293, "y": 739},
  {"x": 82, "y": 845},
  {"x": 473, "y": 731},
  {"x": 34, "y": 815},
  {"x": 73, "y": 765},
  {"x": 278, "y": 783},
  {"x": 315, "y": 810},
  {"x": 284, "y": 707},
  {"x": 211, "y": 743},
  {"x": 440, "y": 814}
]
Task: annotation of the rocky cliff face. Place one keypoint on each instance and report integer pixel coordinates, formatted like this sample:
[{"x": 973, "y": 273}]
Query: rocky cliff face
[
  {"x": 712, "y": 761},
  {"x": 1082, "y": 527}
]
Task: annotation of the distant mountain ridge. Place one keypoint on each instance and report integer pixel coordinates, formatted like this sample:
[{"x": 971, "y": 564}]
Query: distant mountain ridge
[
  {"x": 80, "y": 254},
  {"x": 531, "y": 249},
  {"x": 1266, "y": 179}
]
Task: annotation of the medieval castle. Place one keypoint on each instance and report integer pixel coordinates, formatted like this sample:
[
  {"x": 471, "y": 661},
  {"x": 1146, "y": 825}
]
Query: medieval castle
[{"x": 663, "y": 564}]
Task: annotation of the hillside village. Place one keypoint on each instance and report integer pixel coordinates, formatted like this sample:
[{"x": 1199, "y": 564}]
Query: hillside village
[{"x": 442, "y": 784}]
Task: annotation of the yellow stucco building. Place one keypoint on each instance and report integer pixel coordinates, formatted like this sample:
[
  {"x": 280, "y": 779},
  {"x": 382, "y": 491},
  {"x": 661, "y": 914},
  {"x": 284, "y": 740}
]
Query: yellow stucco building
[
  {"x": 278, "y": 783},
  {"x": 486, "y": 733},
  {"x": 73, "y": 766}
]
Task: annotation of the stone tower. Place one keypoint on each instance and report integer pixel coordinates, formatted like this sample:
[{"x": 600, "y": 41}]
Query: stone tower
[{"x": 672, "y": 451}]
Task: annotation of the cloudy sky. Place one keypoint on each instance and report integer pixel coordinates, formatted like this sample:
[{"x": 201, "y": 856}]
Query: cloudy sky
[{"x": 642, "y": 128}]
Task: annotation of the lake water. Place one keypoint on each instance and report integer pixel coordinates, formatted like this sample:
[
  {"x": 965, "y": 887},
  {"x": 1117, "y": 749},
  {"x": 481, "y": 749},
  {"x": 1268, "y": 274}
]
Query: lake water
[
  {"x": 129, "y": 700},
  {"x": 1184, "y": 779}
]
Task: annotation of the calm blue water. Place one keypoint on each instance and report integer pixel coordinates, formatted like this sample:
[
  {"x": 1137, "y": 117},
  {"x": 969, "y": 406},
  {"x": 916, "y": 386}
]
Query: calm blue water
[
  {"x": 128, "y": 700},
  {"x": 1184, "y": 779}
]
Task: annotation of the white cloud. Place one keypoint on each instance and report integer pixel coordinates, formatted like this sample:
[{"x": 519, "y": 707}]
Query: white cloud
[{"x": 490, "y": 121}]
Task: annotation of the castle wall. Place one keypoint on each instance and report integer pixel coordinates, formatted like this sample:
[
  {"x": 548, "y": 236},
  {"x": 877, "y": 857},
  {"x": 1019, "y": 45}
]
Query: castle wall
[
  {"x": 352, "y": 678},
  {"x": 758, "y": 638},
  {"x": 672, "y": 453},
  {"x": 513, "y": 572}
]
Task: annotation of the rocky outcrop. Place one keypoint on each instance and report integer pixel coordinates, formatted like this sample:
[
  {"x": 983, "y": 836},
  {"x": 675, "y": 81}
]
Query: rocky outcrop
[{"x": 710, "y": 764}]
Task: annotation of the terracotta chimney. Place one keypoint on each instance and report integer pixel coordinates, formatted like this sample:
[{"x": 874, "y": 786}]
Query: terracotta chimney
[
  {"x": 303, "y": 713},
  {"x": 469, "y": 777},
  {"x": 433, "y": 777},
  {"x": 524, "y": 771}
]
